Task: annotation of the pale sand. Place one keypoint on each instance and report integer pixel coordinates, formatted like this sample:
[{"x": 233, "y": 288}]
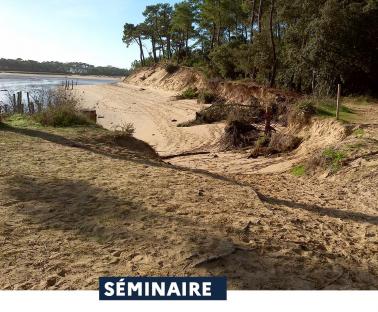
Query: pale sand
[
  {"x": 155, "y": 115},
  {"x": 71, "y": 212}
]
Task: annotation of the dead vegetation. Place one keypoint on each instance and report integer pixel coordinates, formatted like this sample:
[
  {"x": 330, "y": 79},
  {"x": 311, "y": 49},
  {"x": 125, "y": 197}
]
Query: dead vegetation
[
  {"x": 207, "y": 97},
  {"x": 221, "y": 111},
  {"x": 276, "y": 144},
  {"x": 238, "y": 135}
]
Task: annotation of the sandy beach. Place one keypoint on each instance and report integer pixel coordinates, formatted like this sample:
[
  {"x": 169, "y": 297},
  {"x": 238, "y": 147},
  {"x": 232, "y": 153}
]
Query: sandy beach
[
  {"x": 154, "y": 113},
  {"x": 76, "y": 207}
]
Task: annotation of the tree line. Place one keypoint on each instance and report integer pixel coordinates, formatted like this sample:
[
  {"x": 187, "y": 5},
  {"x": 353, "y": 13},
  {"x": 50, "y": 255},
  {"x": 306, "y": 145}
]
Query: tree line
[
  {"x": 60, "y": 68},
  {"x": 303, "y": 45}
]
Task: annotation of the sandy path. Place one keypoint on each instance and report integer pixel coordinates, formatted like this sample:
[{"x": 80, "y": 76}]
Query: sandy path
[
  {"x": 71, "y": 213},
  {"x": 155, "y": 115}
]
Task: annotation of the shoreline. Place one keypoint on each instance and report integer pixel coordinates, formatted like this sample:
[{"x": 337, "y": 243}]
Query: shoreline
[{"x": 57, "y": 75}]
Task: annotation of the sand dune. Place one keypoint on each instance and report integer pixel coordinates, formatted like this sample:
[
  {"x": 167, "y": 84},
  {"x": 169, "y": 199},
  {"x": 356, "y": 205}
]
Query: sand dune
[{"x": 155, "y": 115}]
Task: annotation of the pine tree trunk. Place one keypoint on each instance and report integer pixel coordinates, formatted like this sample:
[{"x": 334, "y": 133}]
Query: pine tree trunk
[
  {"x": 141, "y": 51},
  {"x": 274, "y": 66},
  {"x": 169, "y": 47},
  {"x": 252, "y": 22},
  {"x": 260, "y": 15},
  {"x": 154, "y": 49},
  {"x": 213, "y": 37}
]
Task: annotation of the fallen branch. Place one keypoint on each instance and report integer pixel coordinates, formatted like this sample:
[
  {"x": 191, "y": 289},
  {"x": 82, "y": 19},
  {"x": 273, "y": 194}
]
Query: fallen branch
[{"x": 184, "y": 155}]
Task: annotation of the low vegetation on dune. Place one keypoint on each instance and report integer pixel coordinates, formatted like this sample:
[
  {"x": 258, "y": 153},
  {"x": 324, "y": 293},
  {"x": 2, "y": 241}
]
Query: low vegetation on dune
[
  {"x": 64, "y": 115},
  {"x": 62, "y": 110}
]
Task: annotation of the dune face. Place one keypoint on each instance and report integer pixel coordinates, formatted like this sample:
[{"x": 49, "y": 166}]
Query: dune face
[{"x": 155, "y": 115}]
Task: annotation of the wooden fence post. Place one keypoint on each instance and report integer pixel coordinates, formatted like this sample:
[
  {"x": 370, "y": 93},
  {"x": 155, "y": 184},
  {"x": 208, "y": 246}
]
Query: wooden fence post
[
  {"x": 338, "y": 102},
  {"x": 14, "y": 103},
  {"x": 28, "y": 100},
  {"x": 19, "y": 103},
  {"x": 39, "y": 106},
  {"x": 30, "y": 104}
]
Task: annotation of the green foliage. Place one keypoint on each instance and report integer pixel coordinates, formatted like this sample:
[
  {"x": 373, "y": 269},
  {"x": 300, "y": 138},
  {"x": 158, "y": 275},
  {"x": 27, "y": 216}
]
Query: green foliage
[
  {"x": 59, "y": 68},
  {"x": 323, "y": 107},
  {"x": 262, "y": 141},
  {"x": 302, "y": 112},
  {"x": 359, "y": 133},
  {"x": 298, "y": 171},
  {"x": 21, "y": 121},
  {"x": 334, "y": 158},
  {"x": 171, "y": 68},
  {"x": 190, "y": 93},
  {"x": 223, "y": 61},
  {"x": 327, "y": 108},
  {"x": 61, "y": 109},
  {"x": 306, "y": 46},
  {"x": 62, "y": 116}
]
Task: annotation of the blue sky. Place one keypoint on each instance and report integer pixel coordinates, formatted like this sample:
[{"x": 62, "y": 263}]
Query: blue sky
[{"x": 89, "y": 31}]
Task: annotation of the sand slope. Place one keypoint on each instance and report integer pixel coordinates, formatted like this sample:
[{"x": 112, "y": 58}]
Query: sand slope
[
  {"x": 72, "y": 211},
  {"x": 155, "y": 115}
]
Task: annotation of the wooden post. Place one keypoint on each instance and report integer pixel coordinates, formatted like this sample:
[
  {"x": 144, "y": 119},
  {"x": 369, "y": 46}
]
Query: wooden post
[
  {"x": 19, "y": 102},
  {"x": 338, "y": 102},
  {"x": 39, "y": 106},
  {"x": 14, "y": 103},
  {"x": 72, "y": 85},
  {"x": 28, "y": 100},
  {"x": 22, "y": 110},
  {"x": 268, "y": 118}
]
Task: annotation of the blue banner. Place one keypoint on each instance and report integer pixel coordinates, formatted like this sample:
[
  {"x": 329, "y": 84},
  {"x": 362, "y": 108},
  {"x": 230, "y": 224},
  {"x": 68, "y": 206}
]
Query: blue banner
[{"x": 163, "y": 288}]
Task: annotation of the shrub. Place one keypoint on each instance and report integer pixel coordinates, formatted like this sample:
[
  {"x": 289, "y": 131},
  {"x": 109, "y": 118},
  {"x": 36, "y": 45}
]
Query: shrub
[
  {"x": 333, "y": 158},
  {"x": 60, "y": 109},
  {"x": 359, "y": 133},
  {"x": 61, "y": 116},
  {"x": 302, "y": 112},
  {"x": 306, "y": 107},
  {"x": 125, "y": 129},
  {"x": 298, "y": 171},
  {"x": 226, "y": 112},
  {"x": 238, "y": 135},
  {"x": 262, "y": 141},
  {"x": 277, "y": 143},
  {"x": 206, "y": 97},
  {"x": 222, "y": 60},
  {"x": 190, "y": 93},
  {"x": 171, "y": 68}
]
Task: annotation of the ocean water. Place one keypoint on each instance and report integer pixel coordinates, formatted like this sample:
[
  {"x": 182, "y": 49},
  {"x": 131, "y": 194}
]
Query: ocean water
[{"x": 13, "y": 83}]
